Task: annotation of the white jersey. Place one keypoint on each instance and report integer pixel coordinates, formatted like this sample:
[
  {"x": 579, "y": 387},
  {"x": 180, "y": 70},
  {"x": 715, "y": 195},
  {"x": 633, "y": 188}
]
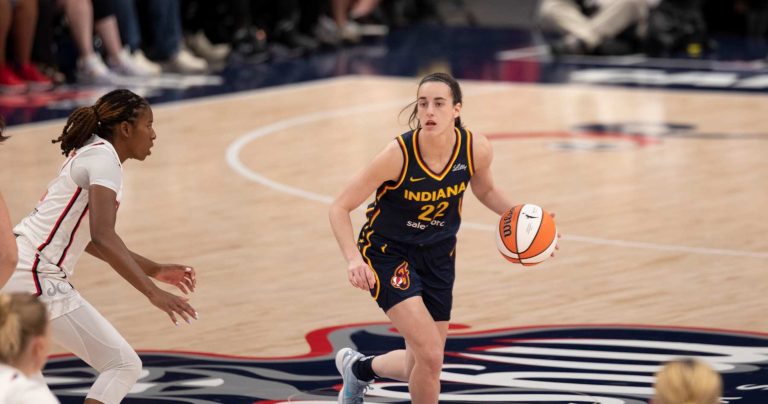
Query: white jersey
[
  {"x": 15, "y": 388},
  {"x": 52, "y": 238}
]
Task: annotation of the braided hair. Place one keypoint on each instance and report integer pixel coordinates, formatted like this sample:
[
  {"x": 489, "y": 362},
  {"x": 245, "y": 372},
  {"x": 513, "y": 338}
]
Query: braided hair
[
  {"x": 445, "y": 78},
  {"x": 100, "y": 119}
]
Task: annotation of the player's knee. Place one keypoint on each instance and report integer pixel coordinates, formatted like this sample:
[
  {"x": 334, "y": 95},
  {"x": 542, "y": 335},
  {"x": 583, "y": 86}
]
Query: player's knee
[
  {"x": 131, "y": 366},
  {"x": 408, "y": 369},
  {"x": 431, "y": 359},
  {"x": 126, "y": 366}
]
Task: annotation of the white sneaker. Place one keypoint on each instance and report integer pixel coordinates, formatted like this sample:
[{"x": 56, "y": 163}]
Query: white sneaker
[
  {"x": 123, "y": 65},
  {"x": 201, "y": 46},
  {"x": 141, "y": 61},
  {"x": 327, "y": 32},
  {"x": 353, "y": 390},
  {"x": 92, "y": 70},
  {"x": 186, "y": 63},
  {"x": 350, "y": 33},
  {"x": 372, "y": 29}
]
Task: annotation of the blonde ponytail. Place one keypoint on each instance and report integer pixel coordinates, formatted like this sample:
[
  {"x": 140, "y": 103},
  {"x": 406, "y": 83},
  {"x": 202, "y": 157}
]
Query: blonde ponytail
[
  {"x": 10, "y": 333},
  {"x": 687, "y": 381},
  {"x": 22, "y": 317}
]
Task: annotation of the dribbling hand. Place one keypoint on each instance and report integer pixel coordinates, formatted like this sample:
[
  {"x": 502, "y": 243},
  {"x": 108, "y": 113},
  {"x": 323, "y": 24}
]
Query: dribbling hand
[
  {"x": 360, "y": 275},
  {"x": 173, "y": 305}
]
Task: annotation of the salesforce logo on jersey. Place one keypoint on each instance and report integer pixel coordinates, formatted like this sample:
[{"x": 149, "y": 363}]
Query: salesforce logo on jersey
[{"x": 565, "y": 364}]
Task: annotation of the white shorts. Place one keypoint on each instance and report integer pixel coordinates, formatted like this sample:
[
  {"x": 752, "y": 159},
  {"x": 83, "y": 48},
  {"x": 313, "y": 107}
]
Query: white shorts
[{"x": 59, "y": 296}]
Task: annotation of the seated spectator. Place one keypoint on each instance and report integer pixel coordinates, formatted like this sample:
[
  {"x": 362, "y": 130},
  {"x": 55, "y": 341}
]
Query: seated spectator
[
  {"x": 162, "y": 37},
  {"x": 24, "y": 346},
  {"x": 687, "y": 381},
  {"x": 594, "y": 26},
  {"x": 228, "y": 24},
  {"x": 130, "y": 33},
  {"x": 84, "y": 16},
  {"x": 21, "y": 16}
]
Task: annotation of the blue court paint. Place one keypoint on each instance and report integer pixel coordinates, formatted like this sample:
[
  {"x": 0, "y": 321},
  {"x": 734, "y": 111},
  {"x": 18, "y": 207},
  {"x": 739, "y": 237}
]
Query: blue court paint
[{"x": 610, "y": 364}]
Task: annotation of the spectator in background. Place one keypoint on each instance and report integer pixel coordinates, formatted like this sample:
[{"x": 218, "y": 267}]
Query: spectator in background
[
  {"x": 43, "y": 53},
  {"x": 163, "y": 41},
  {"x": 24, "y": 343},
  {"x": 84, "y": 16},
  {"x": 281, "y": 21},
  {"x": 594, "y": 26},
  {"x": 130, "y": 32},
  {"x": 229, "y": 23},
  {"x": 687, "y": 381},
  {"x": 21, "y": 17}
]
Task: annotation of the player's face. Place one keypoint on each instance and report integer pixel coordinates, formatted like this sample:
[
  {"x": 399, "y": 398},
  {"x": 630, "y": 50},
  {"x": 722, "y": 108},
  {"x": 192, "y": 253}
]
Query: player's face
[
  {"x": 142, "y": 134},
  {"x": 435, "y": 108}
]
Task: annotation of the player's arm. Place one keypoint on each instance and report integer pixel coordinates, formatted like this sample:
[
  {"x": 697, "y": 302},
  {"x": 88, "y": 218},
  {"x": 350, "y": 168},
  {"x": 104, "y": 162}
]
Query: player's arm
[
  {"x": 482, "y": 180},
  {"x": 8, "y": 251},
  {"x": 110, "y": 248},
  {"x": 148, "y": 266},
  {"x": 182, "y": 276},
  {"x": 385, "y": 167}
]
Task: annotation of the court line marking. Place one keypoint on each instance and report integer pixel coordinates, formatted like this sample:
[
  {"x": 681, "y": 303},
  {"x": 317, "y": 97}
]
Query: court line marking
[{"x": 233, "y": 160}]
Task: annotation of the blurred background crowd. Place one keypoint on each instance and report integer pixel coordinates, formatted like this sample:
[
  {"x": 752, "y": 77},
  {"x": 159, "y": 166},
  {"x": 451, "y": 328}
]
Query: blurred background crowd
[{"x": 44, "y": 43}]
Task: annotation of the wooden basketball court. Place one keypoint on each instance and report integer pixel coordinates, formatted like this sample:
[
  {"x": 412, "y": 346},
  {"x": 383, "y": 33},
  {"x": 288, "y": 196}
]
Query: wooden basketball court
[{"x": 657, "y": 229}]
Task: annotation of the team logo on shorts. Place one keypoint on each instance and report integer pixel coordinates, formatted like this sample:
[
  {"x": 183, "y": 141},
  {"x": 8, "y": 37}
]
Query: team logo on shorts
[{"x": 401, "y": 279}]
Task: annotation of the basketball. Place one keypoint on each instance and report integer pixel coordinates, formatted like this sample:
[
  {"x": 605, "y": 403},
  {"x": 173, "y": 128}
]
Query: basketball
[{"x": 526, "y": 235}]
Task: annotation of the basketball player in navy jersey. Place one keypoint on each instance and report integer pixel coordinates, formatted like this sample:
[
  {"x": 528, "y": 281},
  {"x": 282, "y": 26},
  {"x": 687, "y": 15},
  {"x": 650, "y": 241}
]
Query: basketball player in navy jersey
[{"x": 405, "y": 253}]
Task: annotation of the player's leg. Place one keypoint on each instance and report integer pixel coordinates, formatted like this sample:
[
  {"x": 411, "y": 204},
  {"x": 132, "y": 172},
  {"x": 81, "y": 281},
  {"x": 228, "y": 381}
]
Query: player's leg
[
  {"x": 87, "y": 334},
  {"x": 425, "y": 344},
  {"x": 398, "y": 364},
  {"x": 394, "y": 284},
  {"x": 435, "y": 269}
]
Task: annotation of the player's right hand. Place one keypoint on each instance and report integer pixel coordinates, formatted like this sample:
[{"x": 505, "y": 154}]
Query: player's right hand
[
  {"x": 360, "y": 275},
  {"x": 173, "y": 305}
]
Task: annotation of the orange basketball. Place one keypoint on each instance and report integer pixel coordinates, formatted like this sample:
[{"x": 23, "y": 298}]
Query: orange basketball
[{"x": 526, "y": 235}]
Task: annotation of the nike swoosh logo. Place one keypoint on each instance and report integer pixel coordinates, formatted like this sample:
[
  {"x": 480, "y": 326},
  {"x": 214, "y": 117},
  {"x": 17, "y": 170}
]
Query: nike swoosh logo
[{"x": 417, "y": 179}]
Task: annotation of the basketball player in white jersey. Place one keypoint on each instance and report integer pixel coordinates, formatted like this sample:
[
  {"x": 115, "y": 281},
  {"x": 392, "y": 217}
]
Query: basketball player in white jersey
[
  {"x": 77, "y": 214},
  {"x": 23, "y": 350},
  {"x": 8, "y": 253}
]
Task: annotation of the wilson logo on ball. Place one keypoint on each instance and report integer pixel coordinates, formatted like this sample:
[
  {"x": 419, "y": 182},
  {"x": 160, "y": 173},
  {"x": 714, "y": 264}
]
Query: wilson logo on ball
[{"x": 526, "y": 235}]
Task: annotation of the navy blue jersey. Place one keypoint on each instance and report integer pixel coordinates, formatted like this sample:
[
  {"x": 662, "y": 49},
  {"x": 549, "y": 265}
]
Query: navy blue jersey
[{"x": 422, "y": 206}]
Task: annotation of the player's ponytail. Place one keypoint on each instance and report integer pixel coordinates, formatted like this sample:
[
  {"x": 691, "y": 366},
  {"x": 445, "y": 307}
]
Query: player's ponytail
[
  {"x": 447, "y": 79},
  {"x": 100, "y": 119},
  {"x": 22, "y": 317}
]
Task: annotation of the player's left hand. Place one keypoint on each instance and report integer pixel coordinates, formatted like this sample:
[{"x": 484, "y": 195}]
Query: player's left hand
[{"x": 181, "y": 276}]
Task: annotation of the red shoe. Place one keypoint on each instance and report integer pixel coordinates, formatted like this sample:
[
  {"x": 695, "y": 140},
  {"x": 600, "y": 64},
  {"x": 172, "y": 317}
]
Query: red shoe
[
  {"x": 36, "y": 80},
  {"x": 10, "y": 82}
]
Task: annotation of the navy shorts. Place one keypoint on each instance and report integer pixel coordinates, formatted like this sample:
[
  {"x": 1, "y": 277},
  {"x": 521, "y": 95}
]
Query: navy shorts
[{"x": 404, "y": 270}]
